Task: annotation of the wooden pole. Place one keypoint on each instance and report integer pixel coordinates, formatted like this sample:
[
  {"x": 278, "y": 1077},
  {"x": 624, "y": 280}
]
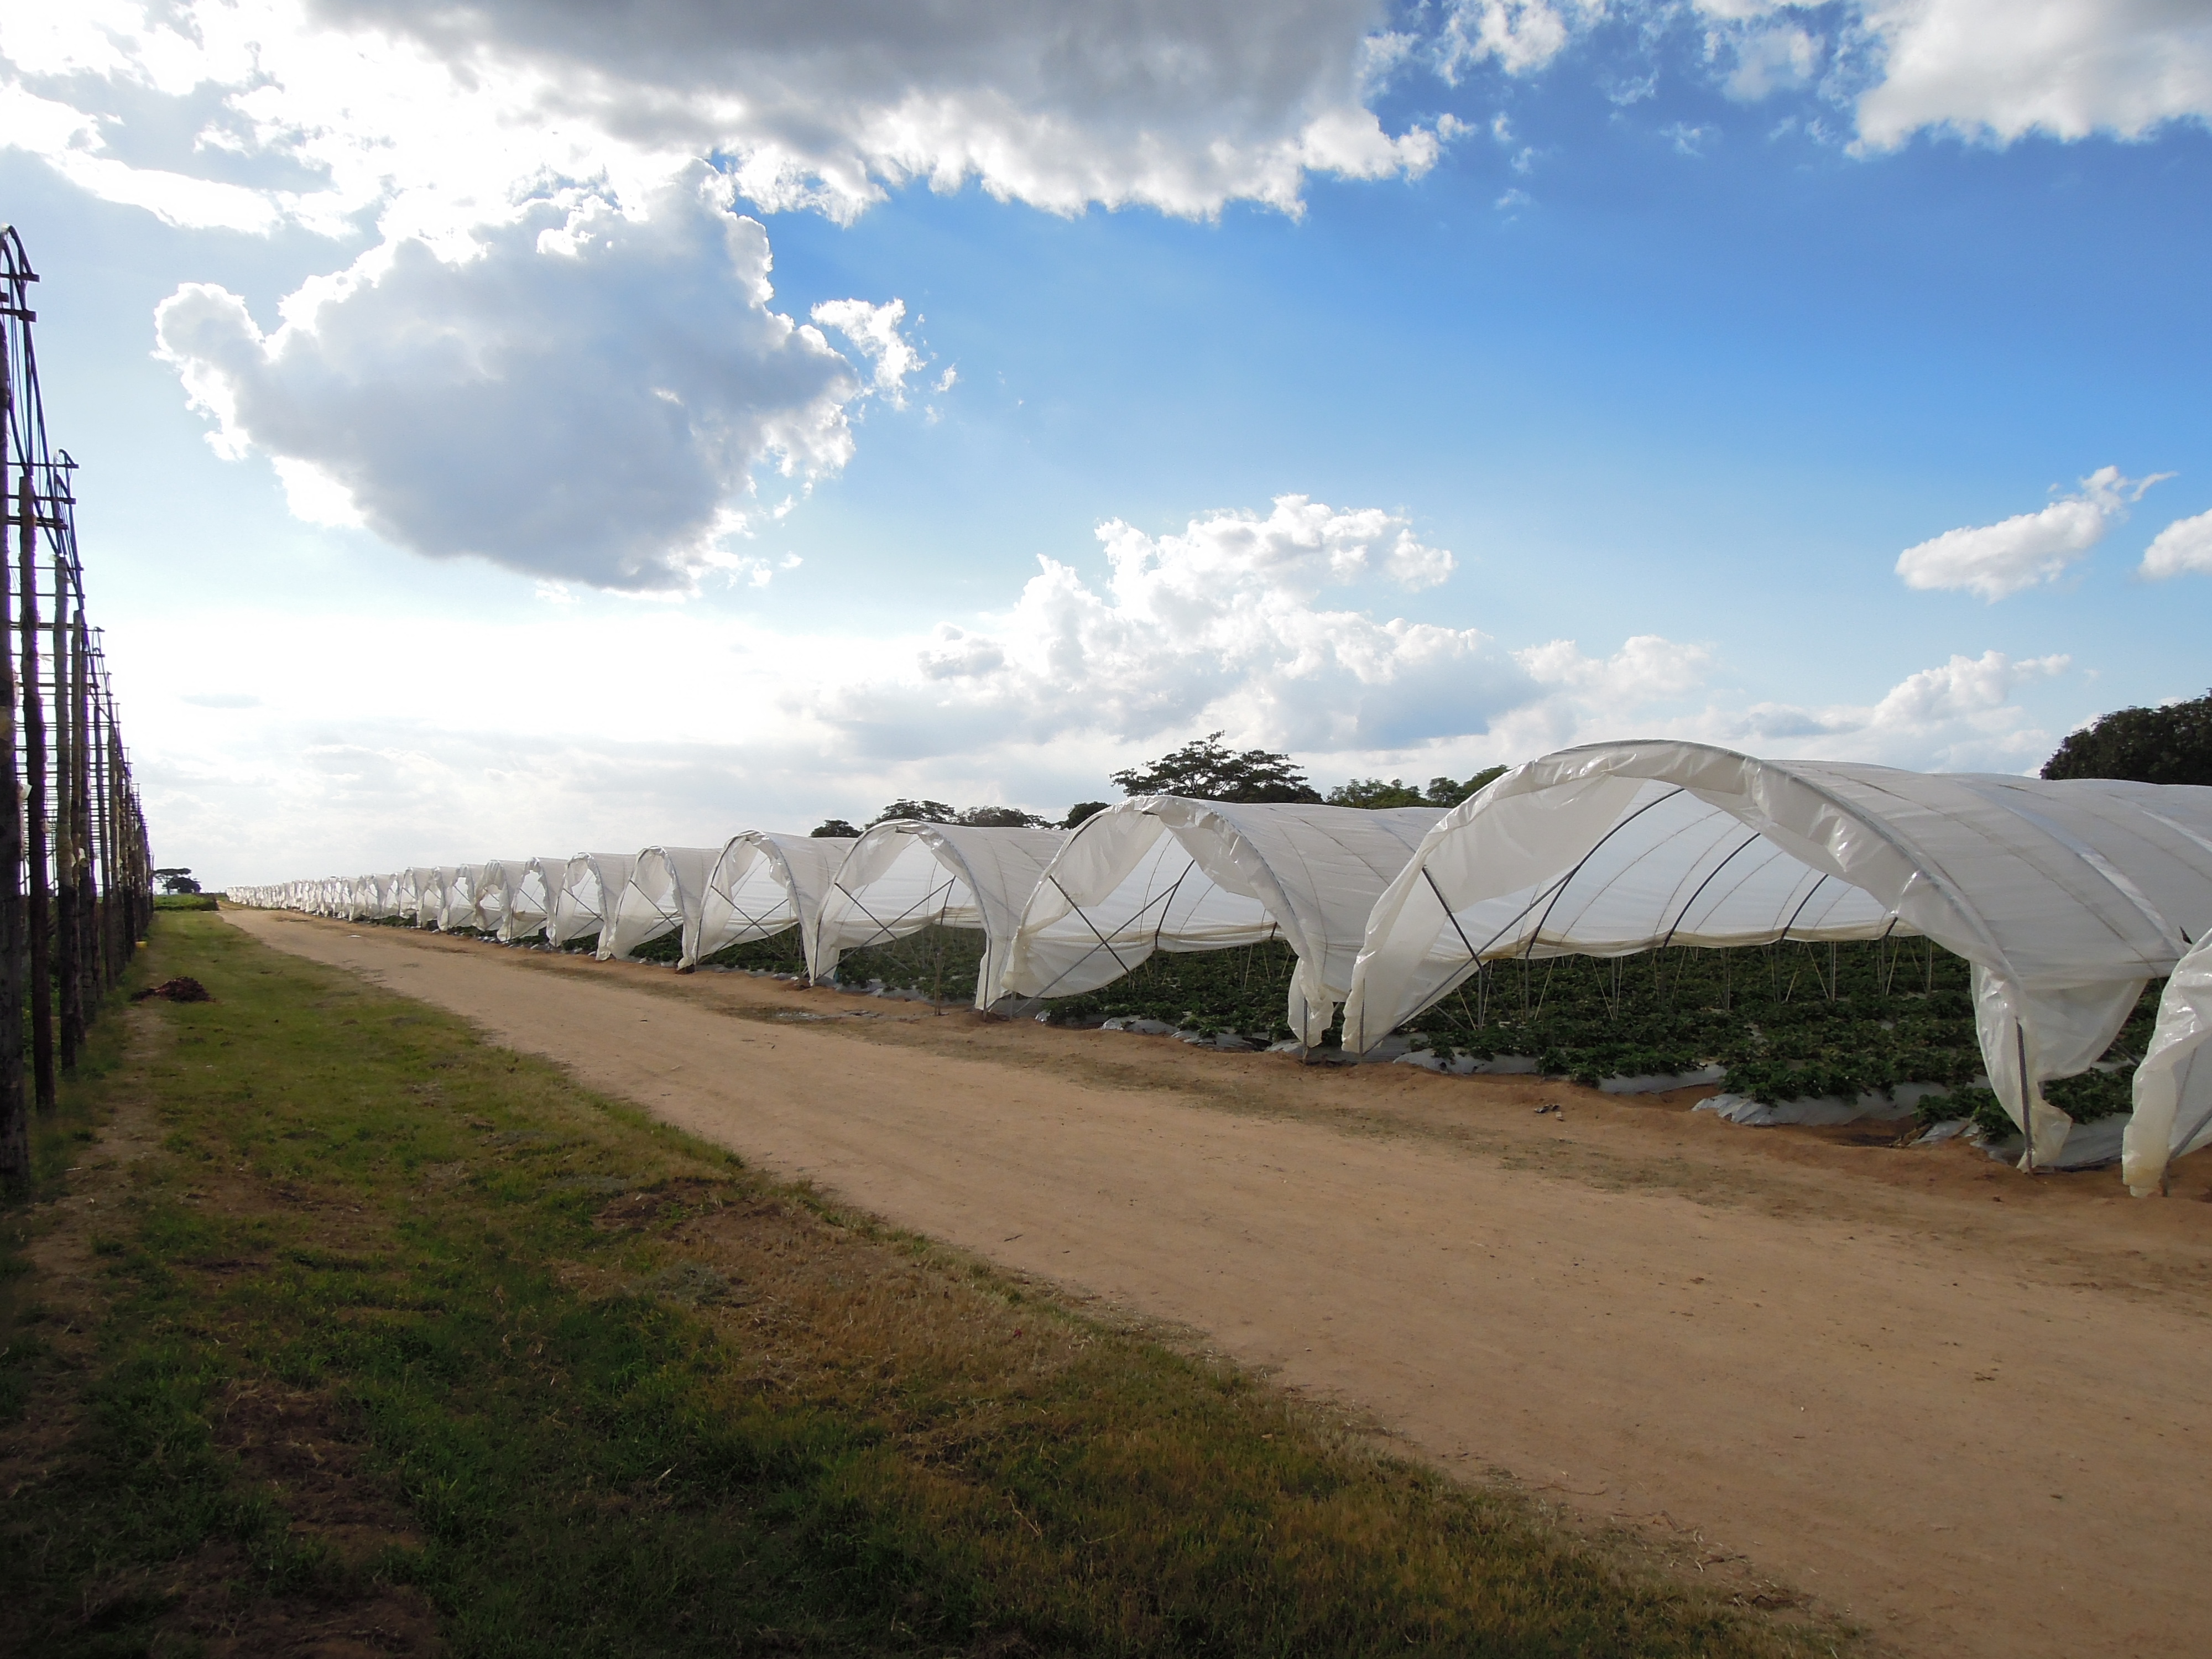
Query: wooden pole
[
  {"x": 14, "y": 1114},
  {"x": 37, "y": 917},
  {"x": 67, "y": 982}
]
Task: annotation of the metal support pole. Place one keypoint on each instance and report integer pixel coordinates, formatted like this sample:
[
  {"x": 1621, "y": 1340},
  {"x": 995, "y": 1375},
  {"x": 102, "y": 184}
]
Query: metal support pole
[
  {"x": 15, "y": 1114},
  {"x": 67, "y": 935},
  {"x": 87, "y": 894},
  {"x": 111, "y": 945},
  {"x": 37, "y": 915}
]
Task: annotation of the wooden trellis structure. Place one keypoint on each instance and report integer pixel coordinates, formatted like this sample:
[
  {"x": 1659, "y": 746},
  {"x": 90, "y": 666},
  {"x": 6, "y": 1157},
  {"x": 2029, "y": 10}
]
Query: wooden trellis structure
[{"x": 76, "y": 867}]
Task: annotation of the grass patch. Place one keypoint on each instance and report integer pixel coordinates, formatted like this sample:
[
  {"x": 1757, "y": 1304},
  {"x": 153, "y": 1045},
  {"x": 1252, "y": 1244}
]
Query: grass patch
[
  {"x": 389, "y": 1324},
  {"x": 186, "y": 901}
]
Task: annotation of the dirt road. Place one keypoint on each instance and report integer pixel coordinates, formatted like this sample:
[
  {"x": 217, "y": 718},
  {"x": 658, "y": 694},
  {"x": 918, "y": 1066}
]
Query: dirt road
[{"x": 1962, "y": 1407}]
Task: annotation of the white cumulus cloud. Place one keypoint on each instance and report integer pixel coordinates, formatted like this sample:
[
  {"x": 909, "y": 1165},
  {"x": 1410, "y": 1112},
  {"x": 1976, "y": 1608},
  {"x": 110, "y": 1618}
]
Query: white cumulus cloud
[
  {"x": 1962, "y": 687},
  {"x": 1991, "y": 71},
  {"x": 2002, "y": 68},
  {"x": 2028, "y": 550},
  {"x": 1962, "y": 714},
  {"x": 581, "y": 396},
  {"x": 2183, "y": 545},
  {"x": 548, "y": 357},
  {"x": 1224, "y": 622},
  {"x": 829, "y": 104},
  {"x": 1519, "y": 36},
  {"x": 873, "y": 331}
]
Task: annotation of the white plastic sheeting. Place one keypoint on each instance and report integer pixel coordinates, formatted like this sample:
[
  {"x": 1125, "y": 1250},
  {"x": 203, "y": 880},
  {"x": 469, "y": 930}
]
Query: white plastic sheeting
[
  {"x": 547, "y": 879},
  {"x": 411, "y": 885},
  {"x": 2173, "y": 1084},
  {"x": 579, "y": 906},
  {"x": 1162, "y": 873},
  {"x": 763, "y": 883},
  {"x": 430, "y": 895},
  {"x": 511, "y": 899},
  {"x": 2066, "y": 896},
  {"x": 458, "y": 906},
  {"x": 660, "y": 898},
  {"x": 904, "y": 876},
  {"x": 501, "y": 886}
]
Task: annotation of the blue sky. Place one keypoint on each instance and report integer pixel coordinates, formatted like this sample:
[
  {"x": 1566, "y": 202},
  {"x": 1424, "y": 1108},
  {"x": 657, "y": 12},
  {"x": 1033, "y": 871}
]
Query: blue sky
[{"x": 1785, "y": 377}]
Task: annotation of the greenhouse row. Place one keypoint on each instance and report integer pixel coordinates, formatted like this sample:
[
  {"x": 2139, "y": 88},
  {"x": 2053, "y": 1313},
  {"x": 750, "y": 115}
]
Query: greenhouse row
[{"x": 2066, "y": 897}]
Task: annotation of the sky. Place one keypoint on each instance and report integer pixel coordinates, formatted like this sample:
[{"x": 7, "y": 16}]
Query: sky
[{"x": 507, "y": 429}]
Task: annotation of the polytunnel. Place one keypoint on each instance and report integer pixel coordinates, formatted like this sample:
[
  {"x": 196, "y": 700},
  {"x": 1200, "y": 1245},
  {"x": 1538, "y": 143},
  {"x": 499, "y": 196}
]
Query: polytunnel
[
  {"x": 2065, "y": 896},
  {"x": 905, "y": 875},
  {"x": 763, "y": 883},
  {"x": 430, "y": 895},
  {"x": 485, "y": 898},
  {"x": 1163, "y": 873},
  {"x": 660, "y": 897},
  {"x": 578, "y": 905},
  {"x": 498, "y": 885},
  {"x": 544, "y": 880},
  {"x": 458, "y": 906},
  {"x": 511, "y": 898},
  {"x": 415, "y": 891}
]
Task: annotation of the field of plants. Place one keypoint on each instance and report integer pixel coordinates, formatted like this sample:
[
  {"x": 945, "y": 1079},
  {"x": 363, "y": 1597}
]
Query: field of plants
[{"x": 1785, "y": 1022}]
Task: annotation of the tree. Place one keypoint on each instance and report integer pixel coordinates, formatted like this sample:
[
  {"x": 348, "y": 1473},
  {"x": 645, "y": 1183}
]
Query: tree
[
  {"x": 929, "y": 811},
  {"x": 937, "y": 811},
  {"x": 177, "y": 879},
  {"x": 2172, "y": 745},
  {"x": 834, "y": 827},
  {"x": 1203, "y": 770},
  {"x": 1080, "y": 810},
  {"x": 1373, "y": 793},
  {"x": 1442, "y": 792}
]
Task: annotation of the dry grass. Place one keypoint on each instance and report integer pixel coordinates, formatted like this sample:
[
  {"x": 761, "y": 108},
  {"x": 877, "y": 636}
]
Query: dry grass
[{"x": 391, "y": 1338}]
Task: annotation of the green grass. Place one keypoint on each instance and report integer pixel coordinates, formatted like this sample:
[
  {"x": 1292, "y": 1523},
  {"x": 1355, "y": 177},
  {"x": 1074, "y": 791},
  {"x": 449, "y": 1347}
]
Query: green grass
[
  {"x": 597, "y": 1388},
  {"x": 184, "y": 902}
]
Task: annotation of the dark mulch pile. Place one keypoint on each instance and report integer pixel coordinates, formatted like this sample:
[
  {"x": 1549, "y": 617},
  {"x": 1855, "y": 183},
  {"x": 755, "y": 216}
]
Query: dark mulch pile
[{"x": 180, "y": 989}]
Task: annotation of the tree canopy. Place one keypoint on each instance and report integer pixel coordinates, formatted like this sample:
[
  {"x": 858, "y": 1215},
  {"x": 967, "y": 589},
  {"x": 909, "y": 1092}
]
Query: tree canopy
[
  {"x": 1206, "y": 769},
  {"x": 835, "y": 828},
  {"x": 1374, "y": 793},
  {"x": 2172, "y": 745},
  {"x": 977, "y": 818}
]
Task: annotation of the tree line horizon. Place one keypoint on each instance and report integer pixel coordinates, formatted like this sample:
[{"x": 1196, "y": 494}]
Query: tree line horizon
[{"x": 2172, "y": 743}]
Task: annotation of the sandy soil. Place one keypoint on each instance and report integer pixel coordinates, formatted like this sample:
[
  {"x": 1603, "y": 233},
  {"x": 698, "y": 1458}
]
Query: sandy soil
[{"x": 1960, "y": 1406}]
